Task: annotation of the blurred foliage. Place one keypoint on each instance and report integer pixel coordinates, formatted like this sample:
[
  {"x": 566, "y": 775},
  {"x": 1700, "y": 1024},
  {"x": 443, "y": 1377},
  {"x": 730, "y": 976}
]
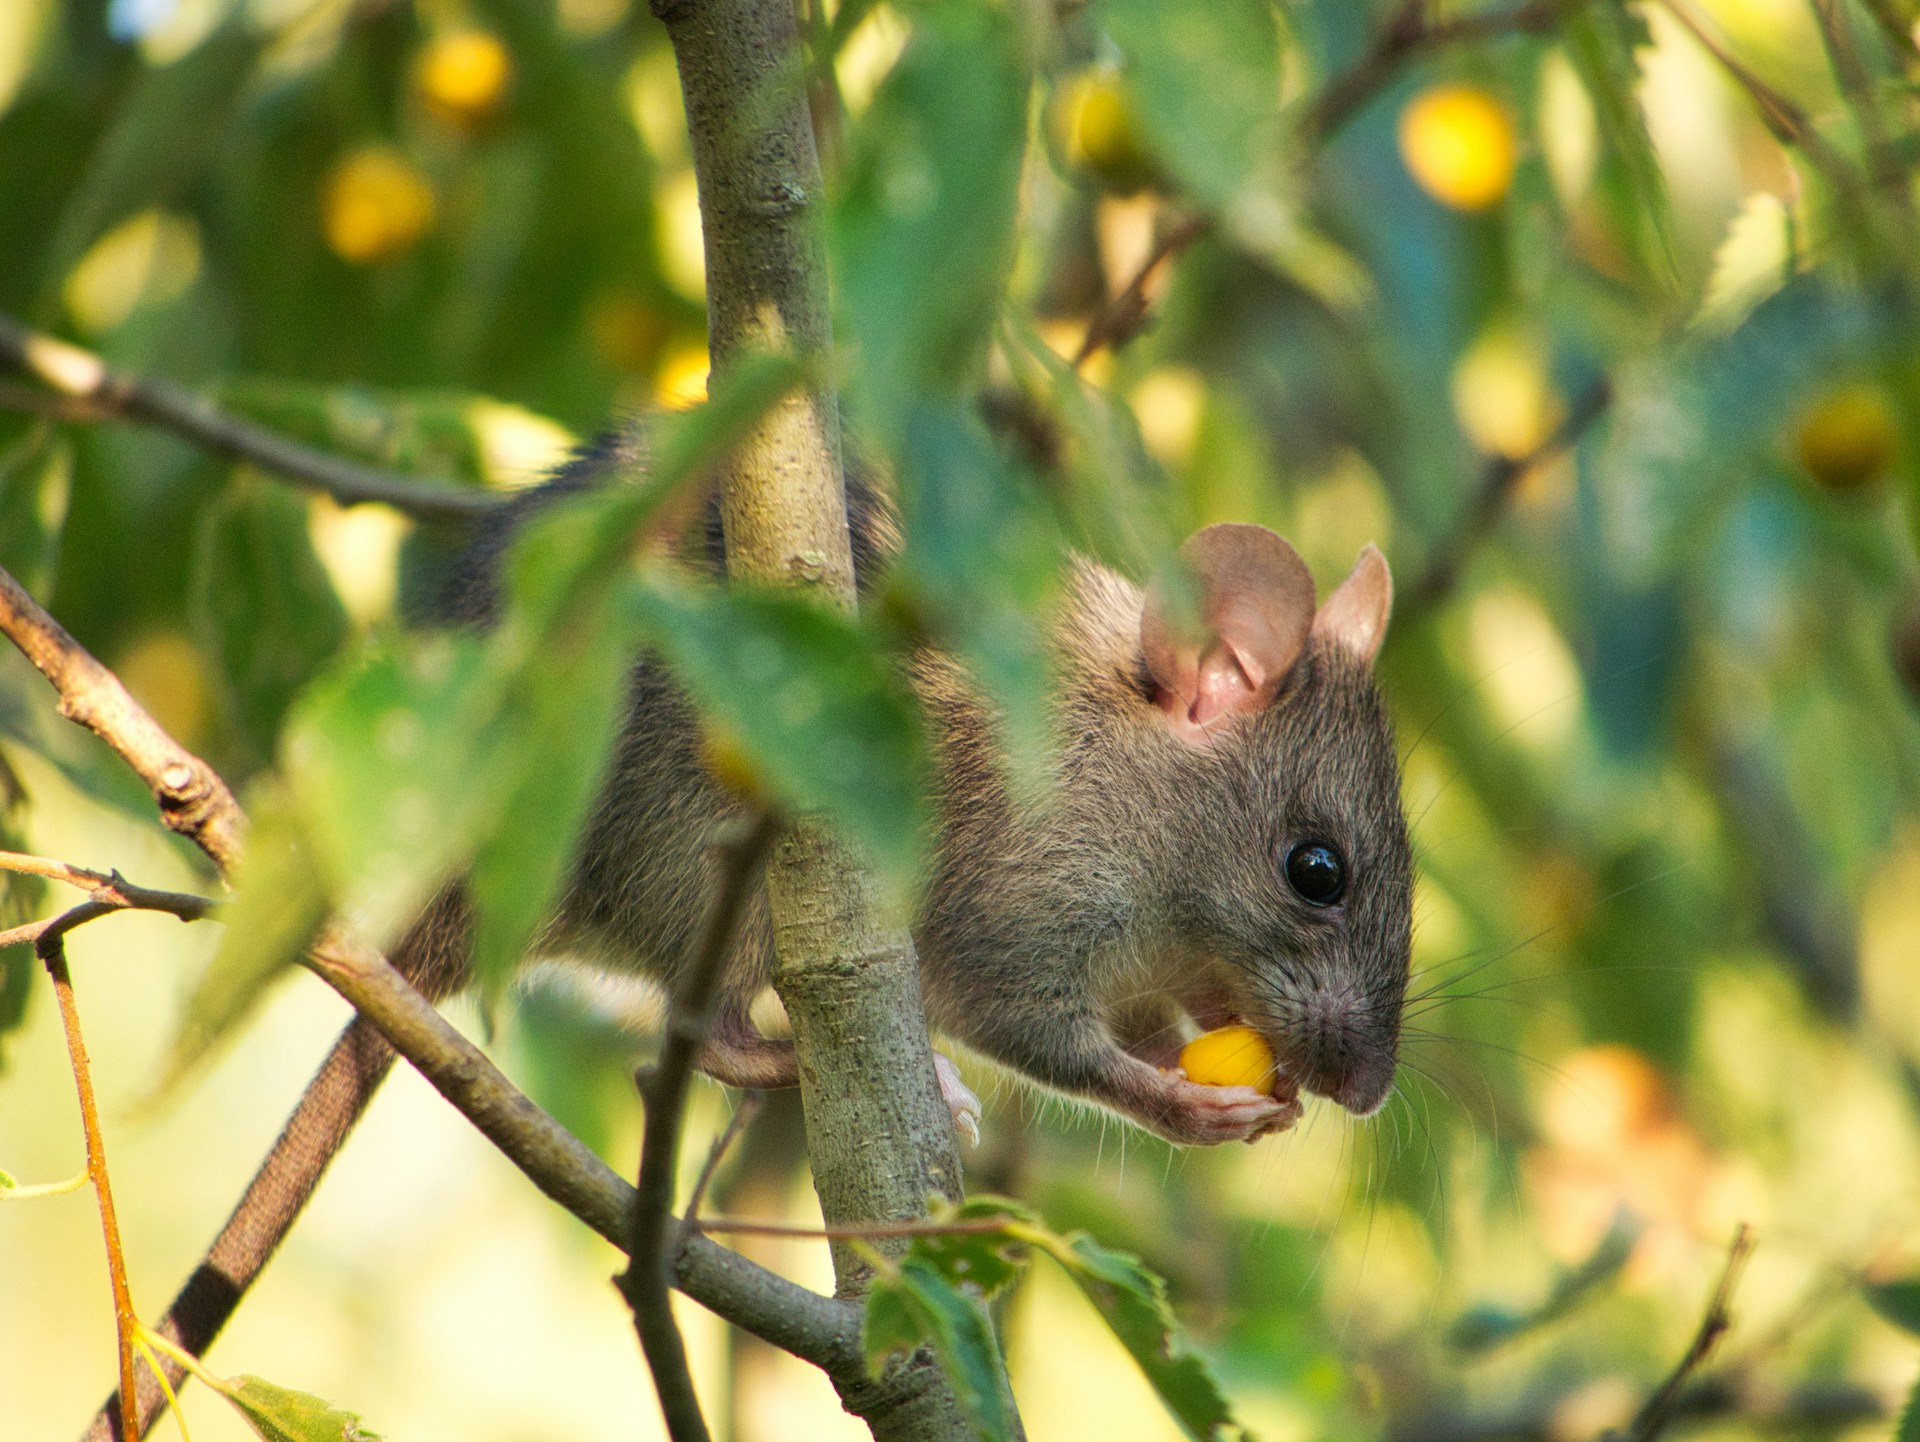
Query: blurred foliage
[{"x": 1662, "y": 753}]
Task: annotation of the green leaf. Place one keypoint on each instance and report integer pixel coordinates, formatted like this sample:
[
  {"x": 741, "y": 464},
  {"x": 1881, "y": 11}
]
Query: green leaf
[
  {"x": 556, "y": 731},
  {"x": 280, "y": 1414},
  {"x": 1133, "y": 1301},
  {"x": 36, "y": 473},
  {"x": 1207, "y": 82},
  {"x": 1603, "y": 43},
  {"x": 1898, "y": 1302},
  {"x": 914, "y": 1304},
  {"x": 1908, "y": 1429},
  {"x": 279, "y": 907},
  {"x": 21, "y": 897},
  {"x": 924, "y": 229},
  {"x": 262, "y": 605},
  {"x": 160, "y": 139},
  {"x": 431, "y": 754},
  {"x": 813, "y": 701},
  {"x": 1481, "y": 1328},
  {"x": 381, "y": 763}
]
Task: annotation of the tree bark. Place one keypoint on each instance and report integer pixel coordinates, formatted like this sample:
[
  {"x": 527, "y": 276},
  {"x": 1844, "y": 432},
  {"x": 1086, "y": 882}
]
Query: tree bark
[{"x": 878, "y": 1134}]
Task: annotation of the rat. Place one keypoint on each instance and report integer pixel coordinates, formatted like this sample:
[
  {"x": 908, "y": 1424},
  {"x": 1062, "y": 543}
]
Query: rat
[{"x": 1219, "y": 838}]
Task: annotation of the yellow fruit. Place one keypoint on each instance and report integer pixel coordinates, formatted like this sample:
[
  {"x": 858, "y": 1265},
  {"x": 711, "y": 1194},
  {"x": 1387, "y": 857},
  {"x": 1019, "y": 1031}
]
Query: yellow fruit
[
  {"x": 1458, "y": 145},
  {"x": 463, "y": 75},
  {"x": 1095, "y": 128},
  {"x": 1848, "y": 439},
  {"x": 1233, "y": 1056},
  {"x": 376, "y": 206}
]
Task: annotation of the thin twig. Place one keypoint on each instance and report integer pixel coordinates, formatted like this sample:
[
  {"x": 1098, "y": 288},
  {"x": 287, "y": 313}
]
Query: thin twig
[
  {"x": 746, "y": 1227},
  {"x": 748, "y": 1108},
  {"x": 110, "y": 891},
  {"x": 1653, "y": 1418},
  {"x": 52, "y": 951},
  {"x": 647, "y": 1280},
  {"x": 1407, "y": 35},
  {"x": 1125, "y": 315},
  {"x": 81, "y": 376},
  {"x": 193, "y": 800},
  {"x": 1500, "y": 479}
]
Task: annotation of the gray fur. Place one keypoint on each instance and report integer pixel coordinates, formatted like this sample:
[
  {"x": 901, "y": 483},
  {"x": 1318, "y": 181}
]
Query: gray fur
[{"x": 1061, "y": 932}]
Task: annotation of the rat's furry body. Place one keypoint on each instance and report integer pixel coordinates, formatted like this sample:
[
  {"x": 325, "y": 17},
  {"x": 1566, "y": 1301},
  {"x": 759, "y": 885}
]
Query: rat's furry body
[{"x": 1064, "y": 926}]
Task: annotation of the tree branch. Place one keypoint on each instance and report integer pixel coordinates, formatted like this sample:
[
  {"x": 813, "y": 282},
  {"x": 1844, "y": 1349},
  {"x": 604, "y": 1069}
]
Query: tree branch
[
  {"x": 1124, "y": 316},
  {"x": 647, "y": 1279},
  {"x": 110, "y": 891},
  {"x": 79, "y": 378},
  {"x": 1498, "y": 482},
  {"x": 1408, "y": 34},
  {"x": 878, "y": 1133},
  {"x": 192, "y": 798},
  {"x": 821, "y": 1330}
]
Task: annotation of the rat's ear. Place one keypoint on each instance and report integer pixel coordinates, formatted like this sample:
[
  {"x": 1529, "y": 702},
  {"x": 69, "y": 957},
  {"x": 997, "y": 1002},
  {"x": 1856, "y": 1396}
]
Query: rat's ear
[
  {"x": 1355, "y": 616},
  {"x": 1222, "y": 636}
]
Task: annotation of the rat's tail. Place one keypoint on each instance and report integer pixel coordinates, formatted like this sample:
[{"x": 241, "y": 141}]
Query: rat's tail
[{"x": 328, "y": 1109}]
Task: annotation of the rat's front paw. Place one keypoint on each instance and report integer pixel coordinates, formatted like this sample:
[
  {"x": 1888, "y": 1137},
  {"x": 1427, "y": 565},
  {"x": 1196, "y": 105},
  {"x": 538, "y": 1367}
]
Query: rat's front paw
[{"x": 1201, "y": 1116}]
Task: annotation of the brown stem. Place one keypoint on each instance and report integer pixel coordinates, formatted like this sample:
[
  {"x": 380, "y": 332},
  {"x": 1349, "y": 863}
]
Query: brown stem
[
  {"x": 648, "y": 1278},
  {"x": 1498, "y": 482},
  {"x": 1125, "y": 315},
  {"x": 1407, "y": 35},
  {"x": 193, "y": 800},
  {"x": 52, "y": 951},
  {"x": 79, "y": 376},
  {"x": 1653, "y": 1418}
]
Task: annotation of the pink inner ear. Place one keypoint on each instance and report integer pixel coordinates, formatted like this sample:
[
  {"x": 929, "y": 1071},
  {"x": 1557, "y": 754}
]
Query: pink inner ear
[{"x": 1228, "y": 652}]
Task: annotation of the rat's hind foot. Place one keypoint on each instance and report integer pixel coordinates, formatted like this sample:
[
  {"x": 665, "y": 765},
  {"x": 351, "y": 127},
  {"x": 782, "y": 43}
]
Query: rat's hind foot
[
  {"x": 738, "y": 1056},
  {"x": 962, "y": 1104}
]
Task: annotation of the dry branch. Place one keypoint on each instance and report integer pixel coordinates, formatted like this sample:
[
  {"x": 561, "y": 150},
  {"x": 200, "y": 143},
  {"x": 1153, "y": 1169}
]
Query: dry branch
[{"x": 82, "y": 387}]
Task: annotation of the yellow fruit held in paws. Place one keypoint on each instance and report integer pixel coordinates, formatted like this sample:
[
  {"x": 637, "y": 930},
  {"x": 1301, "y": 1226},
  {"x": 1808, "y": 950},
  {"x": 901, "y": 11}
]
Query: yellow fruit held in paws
[{"x": 1233, "y": 1056}]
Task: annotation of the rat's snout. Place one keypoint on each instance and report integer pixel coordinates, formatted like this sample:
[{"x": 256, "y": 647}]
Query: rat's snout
[{"x": 1339, "y": 1048}]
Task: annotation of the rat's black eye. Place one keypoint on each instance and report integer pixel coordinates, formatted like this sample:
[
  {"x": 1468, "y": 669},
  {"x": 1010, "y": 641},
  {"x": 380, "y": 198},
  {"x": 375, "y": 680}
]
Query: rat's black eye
[{"x": 1314, "y": 869}]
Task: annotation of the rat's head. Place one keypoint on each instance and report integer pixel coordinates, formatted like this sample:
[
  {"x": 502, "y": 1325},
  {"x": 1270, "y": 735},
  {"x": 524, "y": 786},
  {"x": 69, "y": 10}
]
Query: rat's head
[{"x": 1288, "y": 869}]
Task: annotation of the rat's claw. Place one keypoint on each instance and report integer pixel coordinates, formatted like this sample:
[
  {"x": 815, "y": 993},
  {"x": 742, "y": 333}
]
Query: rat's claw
[{"x": 962, "y": 1104}]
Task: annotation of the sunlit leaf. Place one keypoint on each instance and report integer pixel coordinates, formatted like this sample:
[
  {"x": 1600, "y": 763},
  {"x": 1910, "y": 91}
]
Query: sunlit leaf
[
  {"x": 1133, "y": 1301},
  {"x": 1604, "y": 42},
  {"x": 280, "y": 1414},
  {"x": 381, "y": 763},
  {"x": 912, "y": 1304},
  {"x": 262, "y": 605},
  {"x": 924, "y": 229},
  {"x": 1207, "y": 79},
  {"x": 1898, "y": 1302},
  {"x": 279, "y": 907},
  {"x": 810, "y": 697}
]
